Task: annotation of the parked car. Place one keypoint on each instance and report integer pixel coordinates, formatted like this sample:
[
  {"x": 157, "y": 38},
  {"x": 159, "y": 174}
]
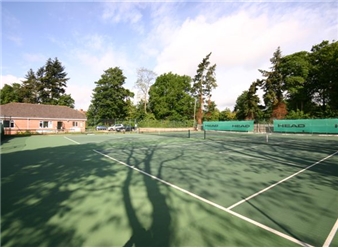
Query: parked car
[
  {"x": 120, "y": 129},
  {"x": 115, "y": 127},
  {"x": 126, "y": 128},
  {"x": 129, "y": 128},
  {"x": 101, "y": 128}
]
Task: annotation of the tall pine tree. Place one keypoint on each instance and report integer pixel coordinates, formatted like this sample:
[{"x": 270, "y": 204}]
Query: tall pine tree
[
  {"x": 274, "y": 86},
  {"x": 203, "y": 83},
  {"x": 47, "y": 85}
]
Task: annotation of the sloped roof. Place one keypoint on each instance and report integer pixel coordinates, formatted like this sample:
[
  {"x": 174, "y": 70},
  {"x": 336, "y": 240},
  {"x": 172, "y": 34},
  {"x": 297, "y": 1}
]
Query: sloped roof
[{"x": 29, "y": 110}]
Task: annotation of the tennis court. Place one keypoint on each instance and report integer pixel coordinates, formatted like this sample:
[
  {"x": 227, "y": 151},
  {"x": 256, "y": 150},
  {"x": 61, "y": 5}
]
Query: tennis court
[{"x": 170, "y": 189}]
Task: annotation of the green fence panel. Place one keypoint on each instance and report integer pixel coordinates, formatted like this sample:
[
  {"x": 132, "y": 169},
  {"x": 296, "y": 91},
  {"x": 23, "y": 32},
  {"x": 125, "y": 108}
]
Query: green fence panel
[
  {"x": 329, "y": 126},
  {"x": 239, "y": 126}
]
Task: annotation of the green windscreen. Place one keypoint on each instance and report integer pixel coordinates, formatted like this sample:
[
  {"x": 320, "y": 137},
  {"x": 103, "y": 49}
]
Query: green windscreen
[
  {"x": 239, "y": 126},
  {"x": 306, "y": 126}
]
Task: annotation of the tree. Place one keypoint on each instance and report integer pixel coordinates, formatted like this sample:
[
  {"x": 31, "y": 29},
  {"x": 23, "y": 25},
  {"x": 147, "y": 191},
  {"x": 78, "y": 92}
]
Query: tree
[
  {"x": 227, "y": 115},
  {"x": 323, "y": 77},
  {"x": 252, "y": 102},
  {"x": 54, "y": 81},
  {"x": 145, "y": 79},
  {"x": 274, "y": 87},
  {"x": 169, "y": 97},
  {"x": 31, "y": 88},
  {"x": 47, "y": 85},
  {"x": 66, "y": 100},
  {"x": 10, "y": 93},
  {"x": 298, "y": 114},
  {"x": 204, "y": 82},
  {"x": 247, "y": 104},
  {"x": 211, "y": 113},
  {"x": 241, "y": 108},
  {"x": 110, "y": 98},
  {"x": 295, "y": 69}
]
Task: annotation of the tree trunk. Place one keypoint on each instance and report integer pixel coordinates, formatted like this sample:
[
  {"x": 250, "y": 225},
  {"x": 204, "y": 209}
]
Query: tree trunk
[
  {"x": 200, "y": 112},
  {"x": 145, "y": 105}
]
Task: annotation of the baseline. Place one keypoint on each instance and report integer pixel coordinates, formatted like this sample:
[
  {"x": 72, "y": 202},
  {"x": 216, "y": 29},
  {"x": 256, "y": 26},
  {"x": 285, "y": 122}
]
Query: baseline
[{"x": 269, "y": 229}]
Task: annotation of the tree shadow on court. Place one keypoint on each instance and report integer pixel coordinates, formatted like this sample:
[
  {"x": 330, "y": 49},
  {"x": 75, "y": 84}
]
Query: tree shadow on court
[
  {"x": 44, "y": 196},
  {"x": 159, "y": 232},
  {"x": 71, "y": 196}
]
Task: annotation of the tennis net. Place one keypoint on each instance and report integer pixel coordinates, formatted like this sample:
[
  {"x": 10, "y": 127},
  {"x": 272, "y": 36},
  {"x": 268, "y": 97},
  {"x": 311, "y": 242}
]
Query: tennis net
[{"x": 166, "y": 132}]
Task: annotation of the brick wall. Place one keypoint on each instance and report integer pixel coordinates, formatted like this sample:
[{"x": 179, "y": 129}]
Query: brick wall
[{"x": 33, "y": 126}]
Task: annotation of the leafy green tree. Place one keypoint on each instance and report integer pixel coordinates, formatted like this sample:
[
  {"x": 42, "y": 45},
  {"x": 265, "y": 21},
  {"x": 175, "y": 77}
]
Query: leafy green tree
[
  {"x": 203, "y": 83},
  {"x": 247, "y": 104},
  {"x": 66, "y": 100},
  {"x": 211, "y": 113},
  {"x": 145, "y": 79},
  {"x": 227, "y": 115},
  {"x": 10, "y": 93},
  {"x": 241, "y": 108},
  {"x": 274, "y": 86},
  {"x": 110, "y": 98},
  {"x": 323, "y": 78},
  {"x": 169, "y": 97},
  {"x": 295, "y": 69},
  {"x": 132, "y": 115},
  {"x": 139, "y": 111},
  {"x": 298, "y": 114}
]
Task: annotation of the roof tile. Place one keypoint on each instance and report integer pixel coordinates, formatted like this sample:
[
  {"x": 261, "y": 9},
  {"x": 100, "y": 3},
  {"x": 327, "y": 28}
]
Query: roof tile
[{"x": 29, "y": 110}]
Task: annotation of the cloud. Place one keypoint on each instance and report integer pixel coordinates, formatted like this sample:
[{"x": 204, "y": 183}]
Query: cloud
[
  {"x": 241, "y": 43},
  {"x": 121, "y": 12},
  {"x": 95, "y": 52},
  {"x": 10, "y": 79},
  {"x": 81, "y": 95},
  {"x": 34, "y": 57},
  {"x": 87, "y": 61}
]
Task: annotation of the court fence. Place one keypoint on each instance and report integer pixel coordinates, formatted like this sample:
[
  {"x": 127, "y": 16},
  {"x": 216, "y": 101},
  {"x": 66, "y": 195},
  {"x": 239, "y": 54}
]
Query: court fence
[{"x": 320, "y": 126}]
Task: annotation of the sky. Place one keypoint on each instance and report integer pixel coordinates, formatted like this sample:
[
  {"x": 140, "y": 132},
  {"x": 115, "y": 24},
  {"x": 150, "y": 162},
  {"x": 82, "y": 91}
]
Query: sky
[{"x": 89, "y": 37}]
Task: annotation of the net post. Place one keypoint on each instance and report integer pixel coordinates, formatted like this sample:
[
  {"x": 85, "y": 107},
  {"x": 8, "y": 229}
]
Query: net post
[
  {"x": 205, "y": 133},
  {"x": 267, "y": 138},
  {"x": 188, "y": 133}
]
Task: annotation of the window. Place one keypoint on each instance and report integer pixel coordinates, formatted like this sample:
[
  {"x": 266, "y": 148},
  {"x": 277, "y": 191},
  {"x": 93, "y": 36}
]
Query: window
[
  {"x": 8, "y": 123},
  {"x": 74, "y": 123},
  {"x": 46, "y": 124}
]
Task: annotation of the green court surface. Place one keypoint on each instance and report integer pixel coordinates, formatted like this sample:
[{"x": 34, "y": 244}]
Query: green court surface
[{"x": 212, "y": 189}]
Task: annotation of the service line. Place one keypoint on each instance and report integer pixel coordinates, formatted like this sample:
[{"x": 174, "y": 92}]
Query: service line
[{"x": 269, "y": 229}]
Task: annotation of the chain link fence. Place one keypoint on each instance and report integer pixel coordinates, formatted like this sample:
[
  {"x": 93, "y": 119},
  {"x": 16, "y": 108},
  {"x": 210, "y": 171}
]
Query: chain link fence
[{"x": 140, "y": 124}]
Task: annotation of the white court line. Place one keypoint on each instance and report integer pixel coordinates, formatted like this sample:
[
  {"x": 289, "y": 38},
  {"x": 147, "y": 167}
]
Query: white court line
[
  {"x": 281, "y": 181},
  {"x": 71, "y": 140},
  {"x": 331, "y": 235},
  {"x": 278, "y": 233}
]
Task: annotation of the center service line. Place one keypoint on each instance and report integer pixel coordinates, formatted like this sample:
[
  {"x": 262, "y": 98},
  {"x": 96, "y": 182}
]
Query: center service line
[
  {"x": 281, "y": 181},
  {"x": 278, "y": 233}
]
